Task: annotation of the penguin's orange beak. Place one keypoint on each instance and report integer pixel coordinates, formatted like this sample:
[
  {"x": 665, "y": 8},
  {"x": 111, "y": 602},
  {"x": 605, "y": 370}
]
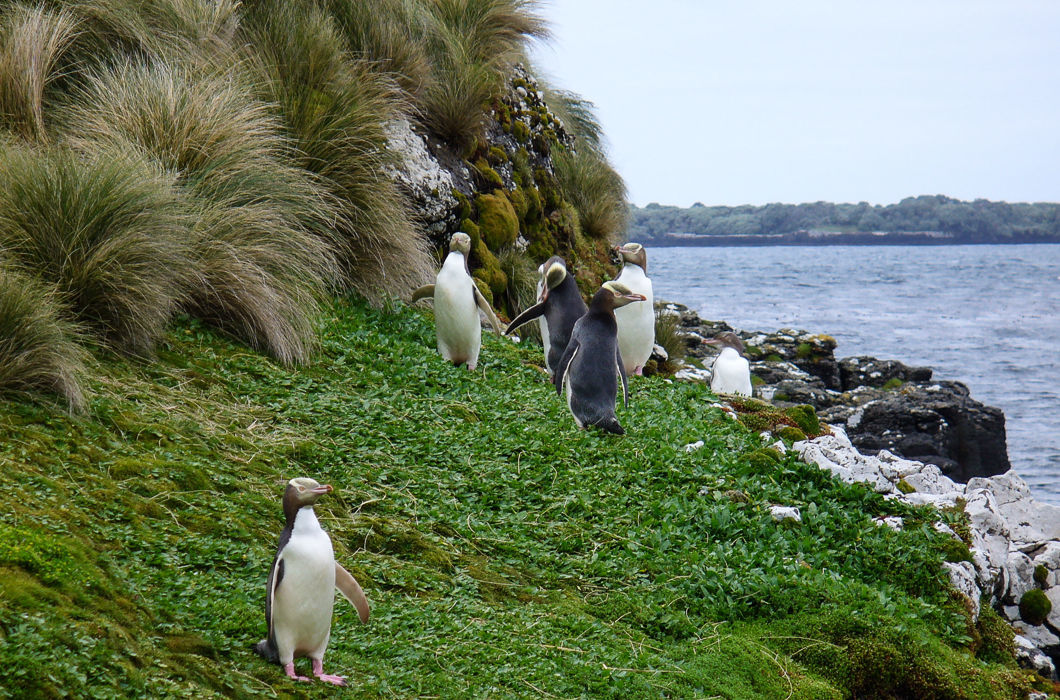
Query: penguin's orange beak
[
  {"x": 322, "y": 489},
  {"x": 635, "y": 297}
]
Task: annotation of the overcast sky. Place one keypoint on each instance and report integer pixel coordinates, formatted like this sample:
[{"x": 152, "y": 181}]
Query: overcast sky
[{"x": 757, "y": 101}]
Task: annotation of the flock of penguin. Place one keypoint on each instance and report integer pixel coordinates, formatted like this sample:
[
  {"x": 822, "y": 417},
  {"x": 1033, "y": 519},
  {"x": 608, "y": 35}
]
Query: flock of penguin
[{"x": 588, "y": 349}]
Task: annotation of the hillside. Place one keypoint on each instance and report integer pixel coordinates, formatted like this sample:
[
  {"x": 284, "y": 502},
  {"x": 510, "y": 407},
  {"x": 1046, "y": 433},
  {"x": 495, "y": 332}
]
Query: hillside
[
  {"x": 914, "y": 220},
  {"x": 505, "y": 552}
]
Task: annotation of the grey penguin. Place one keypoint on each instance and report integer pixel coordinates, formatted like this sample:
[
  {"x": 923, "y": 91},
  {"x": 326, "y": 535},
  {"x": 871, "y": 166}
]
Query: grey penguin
[
  {"x": 731, "y": 373},
  {"x": 561, "y": 305},
  {"x": 457, "y": 302},
  {"x": 592, "y": 363},
  {"x": 300, "y": 594},
  {"x": 636, "y": 322}
]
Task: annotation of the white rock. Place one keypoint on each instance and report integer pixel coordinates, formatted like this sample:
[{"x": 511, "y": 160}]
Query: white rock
[
  {"x": 693, "y": 446},
  {"x": 962, "y": 574},
  {"x": 1031, "y": 656},
  {"x": 1019, "y": 574},
  {"x": 420, "y": 172},
  {"x": 693, "y": 374},
  {"x": 989, "y": 554},
  {"x": 780, "y": 447},
  {"x": 1038, "y": 635},
  {"x": 660, "y": 351},
  {"x": 1028, "y": 520},
  {"x": 830, "y": 452},
  {"x": 782, "y": 513},
  {"x": 939, "y": 500},
  {"x": 1053, "y": 594},
  {"x": 1049, "y": 557},
  {"x": 892, "y": 521}
]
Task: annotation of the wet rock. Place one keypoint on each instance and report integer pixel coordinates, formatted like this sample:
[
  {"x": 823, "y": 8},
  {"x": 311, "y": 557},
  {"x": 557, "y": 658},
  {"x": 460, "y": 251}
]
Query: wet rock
[{"x": 855, "y": 372}]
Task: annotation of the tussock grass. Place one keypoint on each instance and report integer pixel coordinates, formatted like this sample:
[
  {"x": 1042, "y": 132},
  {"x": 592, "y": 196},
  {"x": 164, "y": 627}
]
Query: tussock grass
[
  {"x": 334, "y": 108},
  {"x": 471, "y": 44},
  {"x": 595, "y": 190},
  {"x": 39, "y": 348},
  {"x": 107, "y": 229},
  {"x": 32, "y": 43},
  {"x": 260, "y": 253},
  {"x": 390, "y": 34},
  {"x": 521, "y": 292}
]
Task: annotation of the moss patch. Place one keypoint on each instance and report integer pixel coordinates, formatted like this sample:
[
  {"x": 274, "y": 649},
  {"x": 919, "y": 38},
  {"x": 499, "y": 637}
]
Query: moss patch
[
  {"x": 497, "y": 220},
  {"x": 1035, "y": 607}
]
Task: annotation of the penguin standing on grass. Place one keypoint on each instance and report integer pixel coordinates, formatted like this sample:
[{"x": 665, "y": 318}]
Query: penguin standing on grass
[
  {"x": 300, "y": 593},
  {"x": 592, "y": 363},
  {"x": 457, "y": 302},
  {"x": 636, "y": 322},
  {"x": 731, "y": 373},
  {"x": 559, "y": 308}
]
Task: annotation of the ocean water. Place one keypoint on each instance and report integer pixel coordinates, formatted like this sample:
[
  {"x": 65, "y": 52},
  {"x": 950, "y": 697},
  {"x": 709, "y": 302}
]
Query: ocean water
[{"x": 988, "y": 316}]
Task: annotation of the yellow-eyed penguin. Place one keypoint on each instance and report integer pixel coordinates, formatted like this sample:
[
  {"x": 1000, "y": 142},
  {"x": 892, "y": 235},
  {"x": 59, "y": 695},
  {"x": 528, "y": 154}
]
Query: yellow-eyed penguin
[
  {"x": 731, "y": 373},
  {"x": 560, "y": 306},
  {"x": 592, "y": 362},
  {"x": 300, "y": 594},
  {"x": 457, "y": 302},
  {"x": 636, "y": 322}
]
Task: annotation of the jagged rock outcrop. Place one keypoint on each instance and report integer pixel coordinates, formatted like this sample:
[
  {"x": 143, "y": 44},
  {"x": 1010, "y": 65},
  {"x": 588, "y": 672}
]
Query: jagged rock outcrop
[
  {"x": 1013, "y": 540},
  {"x": 882, "y": 404}
]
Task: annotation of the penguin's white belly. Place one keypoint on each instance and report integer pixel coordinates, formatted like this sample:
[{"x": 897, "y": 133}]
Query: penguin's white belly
[
  {"x": 543, "y": 325},
  {"x": 731, "y": 374},
  {"x": 570, "y": 391},
  {"x": 456, "y": 315},
  {"x": 636, "y": 321},
  {"x": 305, "y": 598}
]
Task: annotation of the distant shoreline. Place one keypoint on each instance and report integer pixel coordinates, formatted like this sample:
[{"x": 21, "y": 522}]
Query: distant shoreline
[{"x": 815, "y": 239}]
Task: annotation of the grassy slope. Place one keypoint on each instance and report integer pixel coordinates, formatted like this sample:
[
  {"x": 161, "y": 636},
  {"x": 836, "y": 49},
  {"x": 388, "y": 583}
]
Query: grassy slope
[{"x": 504, "y": 552}]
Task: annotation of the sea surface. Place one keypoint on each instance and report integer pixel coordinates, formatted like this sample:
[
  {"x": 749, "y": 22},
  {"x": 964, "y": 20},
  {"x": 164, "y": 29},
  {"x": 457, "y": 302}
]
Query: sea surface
[{"x": 988, "y": 316}]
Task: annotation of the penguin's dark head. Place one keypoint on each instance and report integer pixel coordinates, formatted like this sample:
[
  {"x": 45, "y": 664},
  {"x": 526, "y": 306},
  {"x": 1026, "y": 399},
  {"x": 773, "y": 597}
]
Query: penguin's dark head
[
  {"x": 620, "y": 294},
  {"x": 728, "y": 339},
  {"x": 633, "y": 253},
  {"x": 304, "y": 491},
  {"x": 460, "y": 243}
]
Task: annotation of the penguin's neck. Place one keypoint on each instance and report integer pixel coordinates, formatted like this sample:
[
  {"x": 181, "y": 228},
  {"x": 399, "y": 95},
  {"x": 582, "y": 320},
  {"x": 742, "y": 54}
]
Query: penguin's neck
[
  {"x": 305, "y": 521},
  {"x": 729, "y": 353},
  {"x": 455, "y": 261},
  {"x": 633, "y": 271}
]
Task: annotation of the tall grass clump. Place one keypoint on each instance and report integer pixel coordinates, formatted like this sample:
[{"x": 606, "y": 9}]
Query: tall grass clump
[
  {"x": 260, "y": 256},
  {"x": 390, "y": 34},
  {"x": 32, "y": 43},
  {"x": 335, "y": 108},
  {"x": 472, "y": 44},
  {"x": 596, "y": 191},
  {"x": 107, "y": 229},
  {"x": 39, "y": 349}
]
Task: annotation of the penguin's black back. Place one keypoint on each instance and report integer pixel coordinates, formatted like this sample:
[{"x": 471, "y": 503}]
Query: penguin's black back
[
  {"x": 563, "y": 307},
  {"x": 593, "y": 371}
]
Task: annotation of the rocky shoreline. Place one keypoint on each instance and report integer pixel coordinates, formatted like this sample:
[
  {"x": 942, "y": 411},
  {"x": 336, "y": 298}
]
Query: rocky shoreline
[{"x": 924, "y": 442}]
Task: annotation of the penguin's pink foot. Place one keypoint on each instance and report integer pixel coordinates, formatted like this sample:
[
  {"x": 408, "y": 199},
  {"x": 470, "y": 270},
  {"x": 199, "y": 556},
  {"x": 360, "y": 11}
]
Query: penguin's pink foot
[
  {"x": 638, "y": 370},
  {"x": 289, "y": 670},
  {"x": 318, "y": 671}
]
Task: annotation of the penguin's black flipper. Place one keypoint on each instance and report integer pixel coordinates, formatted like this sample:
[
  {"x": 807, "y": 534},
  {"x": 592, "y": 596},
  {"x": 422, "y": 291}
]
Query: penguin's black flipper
[
  {"x": 611, "y": 425},
  {"x": 564, "y": 364},
  {"x": 530, "y": 314},
  {"x": 625, "y": 379}
]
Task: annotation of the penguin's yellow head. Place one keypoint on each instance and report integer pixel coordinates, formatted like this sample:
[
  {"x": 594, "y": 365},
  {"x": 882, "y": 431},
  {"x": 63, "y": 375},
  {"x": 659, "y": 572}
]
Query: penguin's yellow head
[
  {"x": 460, "y": 243},
  {"x": 633, "y": 253},
  {"x": 622, "y": 294},
  {"x": 305, "y": 491},
  {"x": 555, "y": 274},
  {"x": 728, "y": 339}
]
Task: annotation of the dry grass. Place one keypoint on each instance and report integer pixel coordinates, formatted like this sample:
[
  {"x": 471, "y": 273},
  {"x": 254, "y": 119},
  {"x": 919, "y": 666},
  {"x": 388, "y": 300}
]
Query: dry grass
[
  {"x": 334, "y": 108},
  {"x": 108, "y": 230},
  {"x": 261, "y": 260},
  {"x": 596, "y": 191},
  {"x": 39, "y": 348},
  {"x": 32, "y": 42}
]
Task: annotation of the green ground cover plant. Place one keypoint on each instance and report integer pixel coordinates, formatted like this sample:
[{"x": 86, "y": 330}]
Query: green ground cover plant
[{"x": 505, "y": 552}]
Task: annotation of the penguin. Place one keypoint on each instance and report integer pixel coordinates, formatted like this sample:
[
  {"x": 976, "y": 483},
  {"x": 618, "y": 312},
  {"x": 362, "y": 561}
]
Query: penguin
[
  {"x": 300, "y": 593},
  {"x": 636, "y": 322},
  {"x": 592, "y": 362},
  {"x": 457, "y": 302},
  {"x": 731, "y": 373},
  {"x": 560, "y": 306}
]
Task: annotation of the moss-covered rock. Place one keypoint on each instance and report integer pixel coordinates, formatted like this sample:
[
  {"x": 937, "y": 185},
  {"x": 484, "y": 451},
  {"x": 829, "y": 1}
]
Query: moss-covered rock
[
  {"x": 1041, "y": 576},
  {"x": 1035, "y": 606},
  {"x": 892, "y": 383},
  {"x": 806, "y": 418},
  {"x": 790, "y": 433},
  {"x": 762, "y": 459},
  {"x": 996, "y": 637},
  {"x": 904, "y": 486},
  {"x": 489, "y": 177},
  {"x": 520, "y": 131},
  {"x": 497, "y": 220},
  {"x": 954, "y": 550}
]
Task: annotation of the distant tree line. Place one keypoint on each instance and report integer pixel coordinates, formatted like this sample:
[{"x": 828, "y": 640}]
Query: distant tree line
[{"x": 935, "y": 217}]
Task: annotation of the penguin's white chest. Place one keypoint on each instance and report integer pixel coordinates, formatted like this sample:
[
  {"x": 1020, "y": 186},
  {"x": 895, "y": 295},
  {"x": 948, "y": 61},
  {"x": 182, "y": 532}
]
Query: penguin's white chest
[
  {"x": 305, "y": 598},
  {"x": 455, "y": 313},
  {"x": 636, "y": 321},
  {"x": 542, "y": 323},
  {"x": 731, "y": 374}
]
